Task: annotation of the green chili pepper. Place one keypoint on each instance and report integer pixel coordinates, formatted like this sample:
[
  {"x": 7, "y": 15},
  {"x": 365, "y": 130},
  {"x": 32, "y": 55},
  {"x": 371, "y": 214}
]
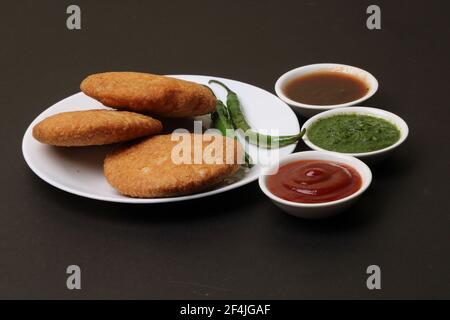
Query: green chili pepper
[
  {"x": 222, "y": 122},
  {"x": 239, "y": 122}
]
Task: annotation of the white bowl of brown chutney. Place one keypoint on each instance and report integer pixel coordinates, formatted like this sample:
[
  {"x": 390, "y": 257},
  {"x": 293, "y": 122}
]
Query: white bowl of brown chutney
[{"x": 314, "y": 88}]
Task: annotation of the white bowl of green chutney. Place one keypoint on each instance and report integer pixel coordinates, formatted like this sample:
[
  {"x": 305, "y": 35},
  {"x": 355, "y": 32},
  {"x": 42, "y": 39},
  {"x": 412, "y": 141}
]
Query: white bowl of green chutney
[{"x": 363, "y": 132}]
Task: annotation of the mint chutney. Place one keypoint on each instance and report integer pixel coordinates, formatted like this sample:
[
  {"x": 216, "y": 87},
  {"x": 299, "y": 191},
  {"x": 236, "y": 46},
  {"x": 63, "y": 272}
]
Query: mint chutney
[{"x": 353, "y": 133}]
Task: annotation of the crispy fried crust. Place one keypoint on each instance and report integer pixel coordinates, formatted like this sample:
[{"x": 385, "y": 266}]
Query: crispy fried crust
[
  {"x": 150, "y": 94},
  {"x": 146, "y": 169},
  {"x": 94, "y": 127}
]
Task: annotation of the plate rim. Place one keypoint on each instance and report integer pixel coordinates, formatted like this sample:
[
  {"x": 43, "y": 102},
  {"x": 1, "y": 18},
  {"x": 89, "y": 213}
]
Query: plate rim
[{"x": 129, "y": 200}]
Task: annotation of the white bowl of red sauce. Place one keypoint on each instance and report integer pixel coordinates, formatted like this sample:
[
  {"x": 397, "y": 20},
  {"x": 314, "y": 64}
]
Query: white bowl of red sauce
[
  {"x": 315, "y": 184},
  {"x": 318, "y": 87}
]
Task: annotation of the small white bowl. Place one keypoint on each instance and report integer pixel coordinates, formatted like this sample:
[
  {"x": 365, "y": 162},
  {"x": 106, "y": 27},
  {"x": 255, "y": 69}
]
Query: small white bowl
[
  {"x": 308, "y": 110},
  {"x": 370, "y": 157},
  {"x": 318, "y": 210}
]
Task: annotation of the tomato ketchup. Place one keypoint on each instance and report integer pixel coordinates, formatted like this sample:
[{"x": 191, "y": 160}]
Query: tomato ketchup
[{"x": 314, "y": 181}]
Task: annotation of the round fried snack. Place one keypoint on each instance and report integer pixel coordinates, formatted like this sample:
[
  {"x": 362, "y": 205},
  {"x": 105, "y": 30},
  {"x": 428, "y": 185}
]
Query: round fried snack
[
  {"x": 150, "y": 94},
  {"x": 94, "y": 127},
  {"x": 160, "y": 167}
]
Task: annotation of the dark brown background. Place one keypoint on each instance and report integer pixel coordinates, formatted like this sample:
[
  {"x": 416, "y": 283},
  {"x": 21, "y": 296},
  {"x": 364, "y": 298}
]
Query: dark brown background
[{"x": 234, "y": 245}]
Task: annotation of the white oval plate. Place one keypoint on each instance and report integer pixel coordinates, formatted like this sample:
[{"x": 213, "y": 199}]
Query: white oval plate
[{"x": 80, "y": 170}]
